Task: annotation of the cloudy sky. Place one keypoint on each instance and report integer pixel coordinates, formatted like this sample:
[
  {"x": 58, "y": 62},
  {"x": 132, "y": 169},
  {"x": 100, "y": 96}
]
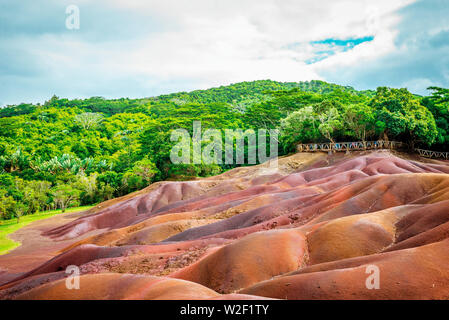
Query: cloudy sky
[{"x": 137, "y": 48}]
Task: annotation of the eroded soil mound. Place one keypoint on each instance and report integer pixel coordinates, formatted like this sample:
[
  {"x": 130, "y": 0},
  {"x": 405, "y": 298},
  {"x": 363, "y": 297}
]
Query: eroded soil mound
[{"x": 315, "y": 227}]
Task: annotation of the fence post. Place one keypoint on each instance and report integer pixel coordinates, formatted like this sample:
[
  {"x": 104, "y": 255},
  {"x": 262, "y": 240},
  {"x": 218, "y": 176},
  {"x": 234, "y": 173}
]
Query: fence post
[{"x": 367, "y": 145}]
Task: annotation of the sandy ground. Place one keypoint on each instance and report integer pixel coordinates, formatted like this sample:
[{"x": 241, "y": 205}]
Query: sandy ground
[
  {"x": 303, "y": 230},
  {"x": 35, "y": 248}
]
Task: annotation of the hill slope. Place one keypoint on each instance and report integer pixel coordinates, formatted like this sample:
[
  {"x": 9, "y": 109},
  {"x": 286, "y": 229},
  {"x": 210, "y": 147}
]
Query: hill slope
[
  {"x": 307, "y": 230},
  {"x": 91, "y": 150}
]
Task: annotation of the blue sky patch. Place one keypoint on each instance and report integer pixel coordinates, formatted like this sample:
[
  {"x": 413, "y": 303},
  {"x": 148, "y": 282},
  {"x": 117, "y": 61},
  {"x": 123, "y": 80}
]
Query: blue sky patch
[
  {"x": 145, "y": 48},
  {"x": 344, "y": 43},
  {"x": 330, "y": 47}
]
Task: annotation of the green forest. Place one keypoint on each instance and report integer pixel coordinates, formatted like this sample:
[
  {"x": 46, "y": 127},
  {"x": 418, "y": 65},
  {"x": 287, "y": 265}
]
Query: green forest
[{"x": 66, "y": 153}]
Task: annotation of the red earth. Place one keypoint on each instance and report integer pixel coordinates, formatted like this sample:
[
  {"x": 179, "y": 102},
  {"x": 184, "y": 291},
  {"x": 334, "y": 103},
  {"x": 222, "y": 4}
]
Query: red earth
[{"x": 312, "y": 228}]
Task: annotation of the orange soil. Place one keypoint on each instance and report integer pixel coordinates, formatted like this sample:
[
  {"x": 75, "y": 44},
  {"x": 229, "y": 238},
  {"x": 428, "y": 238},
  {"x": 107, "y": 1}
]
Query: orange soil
[{"x": 306, "y": 230}]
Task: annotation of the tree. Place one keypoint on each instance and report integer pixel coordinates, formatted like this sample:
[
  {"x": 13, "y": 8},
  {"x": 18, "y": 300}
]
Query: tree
[
  {"x": 132, "y": 182},
  {"x": 35, "y": 195},
  {"x": 64, "y": 196},
  {"x": 88, "y": 120},
  {"x": 438, "y": 105},
  {"x": 126, "y": 154},
  {"x": 299, "y": 127},
  {"x": 360, "y": 121},
  {"x": 440, "y": 95},
  {"x": 19, "y": 210},
  {"x": 330, "y": 121},
  {"x": 7, "y": 205},
  {"x": 402, "y": 116},
  {"x": 146, "y": 169},
  {"x": 268, "y": 114},
  {"x": 88, "y": 187},
  {"x": 16, "y": 161},
  {"x": 111, "y": 178},
  {"x": 106, "y": 191}
]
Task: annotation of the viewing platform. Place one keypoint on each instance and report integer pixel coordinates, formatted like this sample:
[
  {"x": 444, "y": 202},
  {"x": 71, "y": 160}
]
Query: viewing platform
[
  {"x": 349, "y": 146},
  {"x": 367, "y": 145},
  {"x": 433, "y": 154}
]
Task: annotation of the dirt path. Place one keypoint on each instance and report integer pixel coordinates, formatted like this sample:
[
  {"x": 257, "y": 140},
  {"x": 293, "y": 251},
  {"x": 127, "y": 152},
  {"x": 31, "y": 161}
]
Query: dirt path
[{"x": 35, "y": 249}]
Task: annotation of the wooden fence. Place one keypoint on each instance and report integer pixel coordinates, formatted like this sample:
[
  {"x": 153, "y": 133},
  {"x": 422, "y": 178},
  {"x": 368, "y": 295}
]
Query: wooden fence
[
  {"x": 367, "y": 145},
  {"x": 349, "y": 146},
  {"x": 433, "y": 154}
]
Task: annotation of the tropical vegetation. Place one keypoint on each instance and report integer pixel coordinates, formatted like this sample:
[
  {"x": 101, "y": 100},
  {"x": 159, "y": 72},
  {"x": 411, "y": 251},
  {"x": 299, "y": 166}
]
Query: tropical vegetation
[{"x": 66, "y": 153}]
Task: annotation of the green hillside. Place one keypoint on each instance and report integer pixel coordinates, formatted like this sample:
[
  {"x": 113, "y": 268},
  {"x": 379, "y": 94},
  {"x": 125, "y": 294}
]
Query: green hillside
[{"x": 80, "y": 152}]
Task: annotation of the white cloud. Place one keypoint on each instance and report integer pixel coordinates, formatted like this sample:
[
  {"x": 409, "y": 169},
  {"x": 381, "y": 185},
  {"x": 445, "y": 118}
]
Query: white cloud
[
  {"x": 202, "y": 43},
  {"x": 219, "y": 42}
]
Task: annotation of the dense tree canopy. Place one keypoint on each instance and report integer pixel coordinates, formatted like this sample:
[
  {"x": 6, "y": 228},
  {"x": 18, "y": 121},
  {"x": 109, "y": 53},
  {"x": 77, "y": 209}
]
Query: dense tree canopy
[
  {"x": 79, "y": 152},
  {"x": 438, "y": 105},
  {"x": 401, "y": 116}
]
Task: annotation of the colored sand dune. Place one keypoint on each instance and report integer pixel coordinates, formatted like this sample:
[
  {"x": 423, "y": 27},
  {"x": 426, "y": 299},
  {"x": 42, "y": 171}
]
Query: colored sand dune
[{"x": 306, "y": 230}]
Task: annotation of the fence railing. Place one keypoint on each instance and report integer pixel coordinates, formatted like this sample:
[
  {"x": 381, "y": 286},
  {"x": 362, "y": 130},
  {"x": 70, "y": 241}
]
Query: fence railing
[
  {"x": 367, "y": 145},
  {"x": 433, "y": 154},
  {"x": 349, "y": 146}
]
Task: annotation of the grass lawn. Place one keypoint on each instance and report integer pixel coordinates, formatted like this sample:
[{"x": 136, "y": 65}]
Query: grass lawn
[{"x": 9, "y": 226}]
